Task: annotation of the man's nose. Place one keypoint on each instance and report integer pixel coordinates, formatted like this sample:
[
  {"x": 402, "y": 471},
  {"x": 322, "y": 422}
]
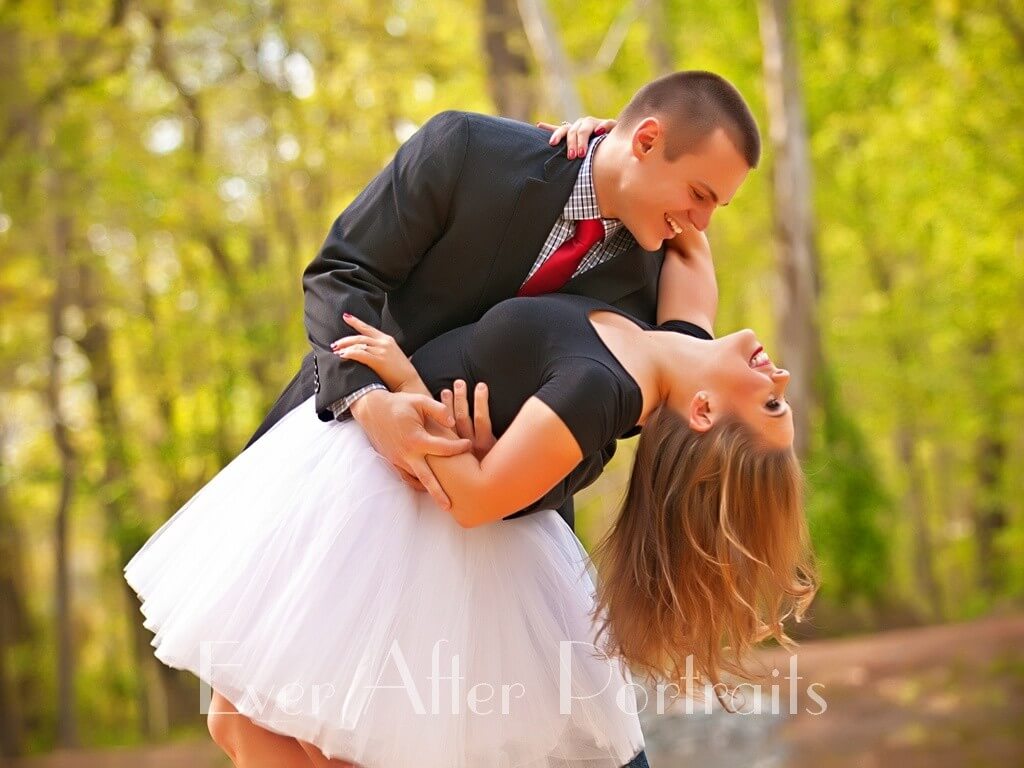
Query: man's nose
[{"x": 700, "y": 218}]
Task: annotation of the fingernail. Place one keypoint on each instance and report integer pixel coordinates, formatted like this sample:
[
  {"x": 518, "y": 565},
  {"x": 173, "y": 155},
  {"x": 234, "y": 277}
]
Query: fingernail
[
  {"x": 583, "y": 151},
  {"x": 552, "y": 140},
  {"x": 599, "y": 131},
  {"x": 572, "y": 154}
]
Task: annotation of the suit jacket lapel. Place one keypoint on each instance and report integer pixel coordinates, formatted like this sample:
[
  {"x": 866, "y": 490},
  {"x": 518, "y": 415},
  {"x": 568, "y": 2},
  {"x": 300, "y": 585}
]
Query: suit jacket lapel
[
  {"x": 538, "y": 206},
  {"x": 619, "y": 276}
]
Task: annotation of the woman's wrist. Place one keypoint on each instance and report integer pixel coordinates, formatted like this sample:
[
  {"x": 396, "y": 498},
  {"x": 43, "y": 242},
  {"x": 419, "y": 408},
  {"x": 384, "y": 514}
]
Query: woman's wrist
[{"x": 414, "y": 386}]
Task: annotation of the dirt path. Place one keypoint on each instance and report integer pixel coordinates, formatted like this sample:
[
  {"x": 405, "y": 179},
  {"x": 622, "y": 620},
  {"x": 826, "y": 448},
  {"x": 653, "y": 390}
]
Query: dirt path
[{"x": 947, "y": 696}]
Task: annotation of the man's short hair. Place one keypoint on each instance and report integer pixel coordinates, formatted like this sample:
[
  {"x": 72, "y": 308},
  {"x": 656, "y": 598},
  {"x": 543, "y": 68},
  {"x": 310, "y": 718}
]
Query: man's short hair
[{"x": 694, "y": 103}]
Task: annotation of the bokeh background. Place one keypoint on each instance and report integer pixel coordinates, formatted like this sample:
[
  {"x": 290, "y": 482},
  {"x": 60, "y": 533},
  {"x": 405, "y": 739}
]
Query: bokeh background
[{"x": 169, "y": 167}]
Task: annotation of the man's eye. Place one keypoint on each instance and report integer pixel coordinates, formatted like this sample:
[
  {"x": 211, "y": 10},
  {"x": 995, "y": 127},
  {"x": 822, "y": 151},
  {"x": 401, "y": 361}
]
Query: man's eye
[
  {"x": 700, "y": 198},
  {"x": 773, "y": 405}
]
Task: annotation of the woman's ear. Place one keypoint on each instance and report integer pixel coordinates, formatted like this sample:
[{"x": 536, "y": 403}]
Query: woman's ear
[{"x": 700, "y": 417}]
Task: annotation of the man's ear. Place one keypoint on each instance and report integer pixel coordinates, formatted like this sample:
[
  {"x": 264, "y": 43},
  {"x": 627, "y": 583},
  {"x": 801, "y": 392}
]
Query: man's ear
[
  {"x": 700, "y": 416},
  {"x": 646, "y": 136}
]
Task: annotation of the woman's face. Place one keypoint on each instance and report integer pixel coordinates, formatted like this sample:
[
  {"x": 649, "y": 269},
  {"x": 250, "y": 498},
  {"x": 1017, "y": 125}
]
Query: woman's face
[{"x": 741, "y": 379}]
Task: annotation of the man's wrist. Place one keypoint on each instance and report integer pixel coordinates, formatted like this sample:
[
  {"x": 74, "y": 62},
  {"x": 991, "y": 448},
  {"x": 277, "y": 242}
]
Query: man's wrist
[
  {"x": 343, "y": 406},
  {"x": 365, "y": 396}
]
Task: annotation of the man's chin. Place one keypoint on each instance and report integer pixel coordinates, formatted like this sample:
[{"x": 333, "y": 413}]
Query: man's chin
[
  {"x": 654, "y": 244},
  {"x": 649, "y": 241}
]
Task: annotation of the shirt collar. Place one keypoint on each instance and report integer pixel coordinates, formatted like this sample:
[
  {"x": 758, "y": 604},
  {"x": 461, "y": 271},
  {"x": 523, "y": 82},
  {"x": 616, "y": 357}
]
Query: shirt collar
[{"x": 582, "y": 203}]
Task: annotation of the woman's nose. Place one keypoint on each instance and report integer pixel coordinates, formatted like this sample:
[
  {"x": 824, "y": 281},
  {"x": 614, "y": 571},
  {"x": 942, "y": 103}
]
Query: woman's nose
[{"x": 781, "y": 377}]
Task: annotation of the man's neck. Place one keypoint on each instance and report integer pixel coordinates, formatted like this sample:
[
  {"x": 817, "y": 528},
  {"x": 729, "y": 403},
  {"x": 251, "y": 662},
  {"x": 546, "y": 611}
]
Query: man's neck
[{"x": 605, "y": 169}]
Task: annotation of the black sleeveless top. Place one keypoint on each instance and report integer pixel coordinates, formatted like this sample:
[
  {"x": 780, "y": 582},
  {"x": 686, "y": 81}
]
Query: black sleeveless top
[{"x": 544, "y": 346}]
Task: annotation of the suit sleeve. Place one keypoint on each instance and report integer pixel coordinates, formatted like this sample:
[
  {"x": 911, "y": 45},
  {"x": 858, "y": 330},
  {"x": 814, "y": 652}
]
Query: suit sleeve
[{"x": 374, "y": 244}]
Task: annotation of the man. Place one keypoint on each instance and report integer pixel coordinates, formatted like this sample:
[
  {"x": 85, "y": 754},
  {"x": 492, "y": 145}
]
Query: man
[{"x": 472, "y": 208}]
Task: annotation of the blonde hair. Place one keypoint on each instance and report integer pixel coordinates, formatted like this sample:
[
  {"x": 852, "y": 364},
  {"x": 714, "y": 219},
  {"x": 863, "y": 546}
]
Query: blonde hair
[{"x": 709, "y": 554}]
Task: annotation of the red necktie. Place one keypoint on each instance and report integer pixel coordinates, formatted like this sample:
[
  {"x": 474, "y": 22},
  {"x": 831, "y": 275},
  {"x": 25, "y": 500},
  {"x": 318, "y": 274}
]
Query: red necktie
[{"x": 560, "y": 266}]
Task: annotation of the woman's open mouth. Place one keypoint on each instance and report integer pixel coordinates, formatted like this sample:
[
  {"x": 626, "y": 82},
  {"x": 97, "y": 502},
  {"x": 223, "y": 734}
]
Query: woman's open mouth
[{"x": 759, "y": 358}]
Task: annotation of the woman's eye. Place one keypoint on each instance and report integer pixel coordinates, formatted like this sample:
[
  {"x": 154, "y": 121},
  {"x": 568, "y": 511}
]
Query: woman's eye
[
  {"x": 700, "y": 198},
  {"x": 773, "y": 405}
]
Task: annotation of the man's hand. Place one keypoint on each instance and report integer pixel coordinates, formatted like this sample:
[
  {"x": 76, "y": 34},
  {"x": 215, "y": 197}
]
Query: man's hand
[
  {"x": 477, "y": 429},
  {"x": 395, "y": 423},
  {"x": 577, "y": 134}
]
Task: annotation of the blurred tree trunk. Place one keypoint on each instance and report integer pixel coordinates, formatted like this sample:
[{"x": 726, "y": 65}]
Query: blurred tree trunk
[
  {"x": 14, "y": 621},
  {"x": 556, "y": 71},
  {"x": 59, "y": 244},
  {"x": 906, "y": 439},
  {"x": 797, "y": 305},
  {"x": 989, "y": 514},
  {"x": 120, "y": 496},
  {"x": 660, "y": 46},
  {"x": 508, "y": 70},
  {"x": 1013, "y": 20},
  {"x": 914, "y": 501}
]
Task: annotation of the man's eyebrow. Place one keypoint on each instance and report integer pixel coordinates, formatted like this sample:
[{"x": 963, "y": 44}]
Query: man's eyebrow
[{"x": 711, "y": 192}]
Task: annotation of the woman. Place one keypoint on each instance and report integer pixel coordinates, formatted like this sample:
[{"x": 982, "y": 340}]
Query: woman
[{"x": 324, "y": 599}]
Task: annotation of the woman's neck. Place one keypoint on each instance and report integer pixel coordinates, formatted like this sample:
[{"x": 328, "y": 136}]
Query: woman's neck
[
  {"x": 665, "y": 365},
  {"x": 676, "y": 361}
]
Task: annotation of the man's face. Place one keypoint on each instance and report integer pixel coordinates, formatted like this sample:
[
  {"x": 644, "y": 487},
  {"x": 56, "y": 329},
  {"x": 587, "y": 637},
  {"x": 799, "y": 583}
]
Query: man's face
[{"x": 655, "y": 191}]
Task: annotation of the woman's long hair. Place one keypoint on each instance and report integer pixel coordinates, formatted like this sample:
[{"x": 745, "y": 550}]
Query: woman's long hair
[{"x": 710, "y": 553}]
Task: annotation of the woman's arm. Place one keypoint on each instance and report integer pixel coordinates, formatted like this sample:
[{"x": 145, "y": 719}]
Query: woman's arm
[
  {"x": 535, "y": 453},
  {"x": 687, "y": 287}
]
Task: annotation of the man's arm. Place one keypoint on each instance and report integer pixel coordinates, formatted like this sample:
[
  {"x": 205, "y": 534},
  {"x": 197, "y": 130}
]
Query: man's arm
[{"x": 373, "y": 245}]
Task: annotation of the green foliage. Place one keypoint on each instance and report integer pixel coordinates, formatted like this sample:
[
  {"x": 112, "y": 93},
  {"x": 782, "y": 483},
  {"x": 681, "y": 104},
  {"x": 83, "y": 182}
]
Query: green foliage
[
  {"x": 200, "y": 152},
  {"x": 847, "y": 508}
]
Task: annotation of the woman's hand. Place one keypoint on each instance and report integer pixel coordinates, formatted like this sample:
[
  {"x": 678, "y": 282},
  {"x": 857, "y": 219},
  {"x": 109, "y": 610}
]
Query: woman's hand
[
  {"x": 376, "y": 350},
  {"x": 691, "y": 243},
  {"x": 477, "y": 429},
  {"x": 577, "y": 134}
]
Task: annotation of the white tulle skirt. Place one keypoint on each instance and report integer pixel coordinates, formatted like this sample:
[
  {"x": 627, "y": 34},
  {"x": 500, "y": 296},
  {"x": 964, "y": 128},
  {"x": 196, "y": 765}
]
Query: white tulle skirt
[{"x": 330, "y": 602}]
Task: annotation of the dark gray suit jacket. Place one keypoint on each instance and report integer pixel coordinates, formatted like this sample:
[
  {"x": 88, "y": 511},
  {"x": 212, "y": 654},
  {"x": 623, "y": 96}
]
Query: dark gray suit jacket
[{"x": 448, "y": 229}]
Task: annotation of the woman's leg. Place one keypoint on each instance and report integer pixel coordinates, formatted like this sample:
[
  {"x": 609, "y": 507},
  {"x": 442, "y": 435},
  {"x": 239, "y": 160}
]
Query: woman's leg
[
  {"x": 248, "y": 745},
  {"x": 318, "y": 759}
]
